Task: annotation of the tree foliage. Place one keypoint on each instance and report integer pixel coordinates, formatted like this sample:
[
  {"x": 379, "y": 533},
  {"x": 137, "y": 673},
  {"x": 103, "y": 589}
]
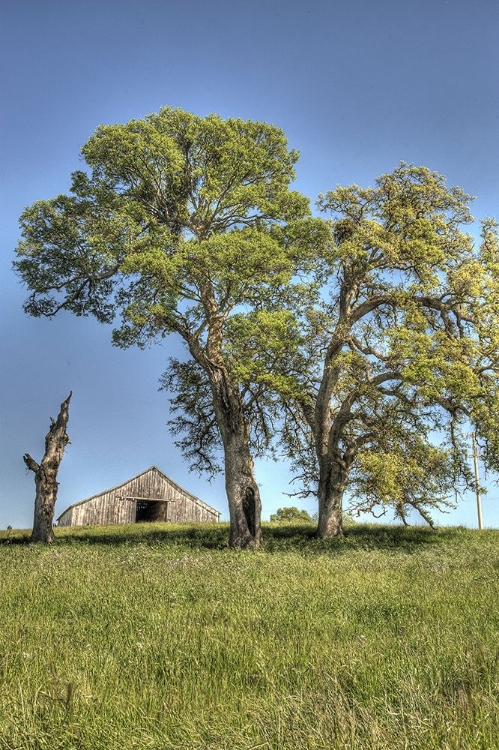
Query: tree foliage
[
  {"x": 408, "y": 348},
  {"x": 289, "y": 514},
  {"x": 365, "y": 343},
  {"x": 181, "y": 223}
]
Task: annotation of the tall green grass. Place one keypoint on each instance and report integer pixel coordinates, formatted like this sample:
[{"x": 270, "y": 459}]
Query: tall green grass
[{"x": 157, "y": 636}]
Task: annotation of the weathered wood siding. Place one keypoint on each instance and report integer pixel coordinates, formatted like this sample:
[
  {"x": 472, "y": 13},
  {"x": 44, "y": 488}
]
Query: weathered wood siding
[{"x": 119, "y": 504}]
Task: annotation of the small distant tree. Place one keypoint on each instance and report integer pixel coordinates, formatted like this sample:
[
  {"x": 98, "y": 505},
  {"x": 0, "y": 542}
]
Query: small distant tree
[
  {"x": 293, "y": 513},
  {"x": 46, "y": 475}
]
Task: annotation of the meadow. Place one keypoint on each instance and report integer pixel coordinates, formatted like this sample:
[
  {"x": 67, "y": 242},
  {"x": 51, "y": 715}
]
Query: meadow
[{"x": 159, "y": 637}]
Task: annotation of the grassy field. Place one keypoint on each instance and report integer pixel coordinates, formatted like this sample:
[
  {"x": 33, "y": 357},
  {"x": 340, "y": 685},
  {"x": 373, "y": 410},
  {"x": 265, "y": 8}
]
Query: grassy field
[{"x": 159, "y": 637}]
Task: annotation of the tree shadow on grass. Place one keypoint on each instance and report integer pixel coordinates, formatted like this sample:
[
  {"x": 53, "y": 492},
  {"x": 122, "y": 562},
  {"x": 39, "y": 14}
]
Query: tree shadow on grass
[
  {"x": 286, "y": 537},
  {"x": 365, "y": 537},
  {"x": 193, "y": 536}
]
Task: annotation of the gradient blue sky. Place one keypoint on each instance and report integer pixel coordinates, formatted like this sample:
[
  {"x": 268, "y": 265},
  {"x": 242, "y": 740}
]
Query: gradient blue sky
[{"x": 357, "y": 85}]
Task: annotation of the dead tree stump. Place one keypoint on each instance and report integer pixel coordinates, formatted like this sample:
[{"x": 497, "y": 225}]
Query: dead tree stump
[{"x": 46, "y": 475}]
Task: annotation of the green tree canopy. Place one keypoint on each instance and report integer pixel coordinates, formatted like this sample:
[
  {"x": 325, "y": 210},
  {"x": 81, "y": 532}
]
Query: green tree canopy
[
  {"x": 285, "y": 515},
  {"x": 180, "y": 223},
  {"x": 403, "y": 349},
  {"x": 368, "y": 339}
]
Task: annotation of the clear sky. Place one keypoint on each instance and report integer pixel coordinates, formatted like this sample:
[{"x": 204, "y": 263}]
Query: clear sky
[{"x": 357, "y": 85}]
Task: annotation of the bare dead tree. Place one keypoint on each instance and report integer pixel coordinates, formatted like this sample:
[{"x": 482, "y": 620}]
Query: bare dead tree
[{"x": 46, "y": 475}]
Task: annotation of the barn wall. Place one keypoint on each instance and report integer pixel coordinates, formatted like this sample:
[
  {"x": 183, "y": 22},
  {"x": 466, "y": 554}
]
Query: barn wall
[
  {"x": 118, "y": 505},
  {"x": 65, "y": 519},
  {"x": 186, "y": 510}
]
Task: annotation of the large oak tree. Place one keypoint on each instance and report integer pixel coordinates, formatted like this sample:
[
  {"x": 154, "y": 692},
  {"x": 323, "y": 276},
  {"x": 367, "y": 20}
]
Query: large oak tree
[
  {"x": 407, "y": 349},
  {"x": 179, "y": 223}
]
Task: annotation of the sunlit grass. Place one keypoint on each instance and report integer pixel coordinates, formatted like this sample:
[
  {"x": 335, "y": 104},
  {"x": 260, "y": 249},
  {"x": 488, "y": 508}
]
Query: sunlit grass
[{"x": 156, "y": 636}]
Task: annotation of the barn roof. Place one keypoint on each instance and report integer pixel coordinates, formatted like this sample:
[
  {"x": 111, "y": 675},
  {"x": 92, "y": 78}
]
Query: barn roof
[{"x": 131, "y": 479}]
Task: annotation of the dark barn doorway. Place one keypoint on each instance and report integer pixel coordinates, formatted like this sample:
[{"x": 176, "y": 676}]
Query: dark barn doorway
[{"x": 151, "y": 510}]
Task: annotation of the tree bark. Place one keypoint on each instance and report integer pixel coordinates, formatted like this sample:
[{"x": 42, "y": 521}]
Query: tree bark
[
  {"x": 330, "y": 496},
  {"x": 243, "y": 494},
  {"x": 327, "y": 434},
  {"x": 46, "y": 476}
]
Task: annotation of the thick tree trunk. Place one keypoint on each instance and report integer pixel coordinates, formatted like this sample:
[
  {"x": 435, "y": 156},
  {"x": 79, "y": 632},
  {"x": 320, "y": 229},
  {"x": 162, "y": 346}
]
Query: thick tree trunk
[
  {"x": 327, "y": 433},
  {"x": 46, "y": 476},
  {"x": 330, "y": 516},
  {"x": 243, "y": 494},
  {"x": 330, "y": 496}
]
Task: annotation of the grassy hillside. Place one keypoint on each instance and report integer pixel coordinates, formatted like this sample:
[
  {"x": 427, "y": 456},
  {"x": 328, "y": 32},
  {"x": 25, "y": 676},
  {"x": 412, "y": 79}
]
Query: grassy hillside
[{"x": 159, "y": 637}]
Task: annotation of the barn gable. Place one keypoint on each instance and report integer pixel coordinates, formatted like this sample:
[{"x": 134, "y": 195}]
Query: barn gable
[{"x": 150, "y": 496}]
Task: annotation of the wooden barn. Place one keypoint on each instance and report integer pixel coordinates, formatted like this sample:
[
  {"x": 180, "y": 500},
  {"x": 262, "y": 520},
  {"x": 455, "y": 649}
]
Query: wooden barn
[{"x": 150, "y": 496}]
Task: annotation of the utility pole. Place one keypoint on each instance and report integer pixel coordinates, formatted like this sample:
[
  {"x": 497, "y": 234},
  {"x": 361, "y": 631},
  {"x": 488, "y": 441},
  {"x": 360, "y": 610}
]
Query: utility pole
[{"x": 477, "y": 481}]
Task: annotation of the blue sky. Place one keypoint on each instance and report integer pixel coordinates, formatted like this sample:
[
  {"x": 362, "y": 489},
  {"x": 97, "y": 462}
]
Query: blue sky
[{"x": 357, "y": 86}]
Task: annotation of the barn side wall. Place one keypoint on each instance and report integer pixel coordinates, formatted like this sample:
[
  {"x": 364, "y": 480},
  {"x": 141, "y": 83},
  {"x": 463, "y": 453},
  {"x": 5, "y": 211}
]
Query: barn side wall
[
  {"x": 102, "y": 510},
  {"x": 186, "y": 510},
  {"x": 66, "y": 518}
]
